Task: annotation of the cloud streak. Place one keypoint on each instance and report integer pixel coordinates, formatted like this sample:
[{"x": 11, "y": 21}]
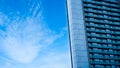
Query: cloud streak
[
  {"x": 23, "y": 37},
  {"x": 56, "y": 60}
]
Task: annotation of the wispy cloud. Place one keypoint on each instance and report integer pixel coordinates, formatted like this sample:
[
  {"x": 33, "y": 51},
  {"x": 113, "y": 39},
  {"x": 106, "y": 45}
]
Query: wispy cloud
[
  {"x": 22, "y": 39},
  {"x": 56, "y": 60}
]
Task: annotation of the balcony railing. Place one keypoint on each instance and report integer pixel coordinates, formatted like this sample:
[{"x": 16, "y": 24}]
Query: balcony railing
[
  {"x": 105, "y": 63},
  {"x": 104, "y": 47},
  {"x": 99, "y": 57},
  {"x": 104, "y": 41},
  {"x": 102, "y": 17},
  {"x": 102, "y": 12},
  {"x": 102, "y": 21},
  {"x": 104, "y": 27},
  {"x": 103, "y": 3},
  {"x": 102, "y": 8},
  {"x": 103, "y": 52},
  {"x": 103, "y": 31}
]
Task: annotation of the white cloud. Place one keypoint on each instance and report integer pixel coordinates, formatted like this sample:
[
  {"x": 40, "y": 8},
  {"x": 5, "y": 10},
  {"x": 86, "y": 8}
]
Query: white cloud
[
  {"x": 49, "y": 60},
  {"x": 23, "y": 40},
  {"x": 3, "y": 18},
  {"x": 56, "y": 60}
]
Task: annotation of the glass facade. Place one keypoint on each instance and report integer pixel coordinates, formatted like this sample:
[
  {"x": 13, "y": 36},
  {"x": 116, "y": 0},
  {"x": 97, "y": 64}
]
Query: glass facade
[{"x": 94, "y": 27}]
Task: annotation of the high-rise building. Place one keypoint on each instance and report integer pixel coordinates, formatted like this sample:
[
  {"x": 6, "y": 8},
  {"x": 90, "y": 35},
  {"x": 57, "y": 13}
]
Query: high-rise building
[{"x": 94, "y": 27}]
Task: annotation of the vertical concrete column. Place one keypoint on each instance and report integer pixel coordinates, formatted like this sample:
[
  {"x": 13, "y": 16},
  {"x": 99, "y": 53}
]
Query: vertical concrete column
[{"x": 77, "y": 34}]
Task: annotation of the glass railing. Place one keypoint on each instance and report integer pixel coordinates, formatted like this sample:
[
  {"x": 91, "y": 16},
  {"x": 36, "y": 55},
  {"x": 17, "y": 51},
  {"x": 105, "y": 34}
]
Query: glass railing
[
  {"x": 103, "y": 26},
  {"x": 102, "y": 7},
  {"x": 112, "y": 1},
  {"x": 102, "y": 12},
  {"x": 103, "y": 36},
  {"x": 105, "y": 57},
  {"x": 104, "y": 63},
  {"x": 102, "y": 21},
  {"x": 104, "y": 52},
  {"x": 103, "y": 31},
  {"x": 103, "y": 3},
  {"x": 103, "y": 41},
  {"x": 102, "y": 16}
]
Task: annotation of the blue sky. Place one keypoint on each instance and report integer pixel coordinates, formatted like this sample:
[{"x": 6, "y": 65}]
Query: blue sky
[{"x": 33, "y": 34}]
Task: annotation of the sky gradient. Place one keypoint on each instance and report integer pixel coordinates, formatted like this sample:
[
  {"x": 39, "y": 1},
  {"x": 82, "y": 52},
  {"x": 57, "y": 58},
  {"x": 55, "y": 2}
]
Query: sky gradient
[{"x": 33, "y": 34}]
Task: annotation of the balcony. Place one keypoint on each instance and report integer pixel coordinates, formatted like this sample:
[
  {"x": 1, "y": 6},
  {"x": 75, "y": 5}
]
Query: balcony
[
  {"x": 103, "y": 31},
  {"x": 104, "y": 27},
  {"x": 104, "y": 17},
  {"x": 99, "y": 57},
  {"x": 102, "y": 12},
  {"x": 102, "y": 7},
  {"x": 104, "y": 52},
  {"x": 103, "y": 3},
  {"x": 103, "y": 36},
  {"x": 103, "y": 47},
  {"x": 112, "y": 1},
  {"x": 104, "y": 41},
  {"x": 102, "y": 21},
  {"x": 104, "y": 63}
]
